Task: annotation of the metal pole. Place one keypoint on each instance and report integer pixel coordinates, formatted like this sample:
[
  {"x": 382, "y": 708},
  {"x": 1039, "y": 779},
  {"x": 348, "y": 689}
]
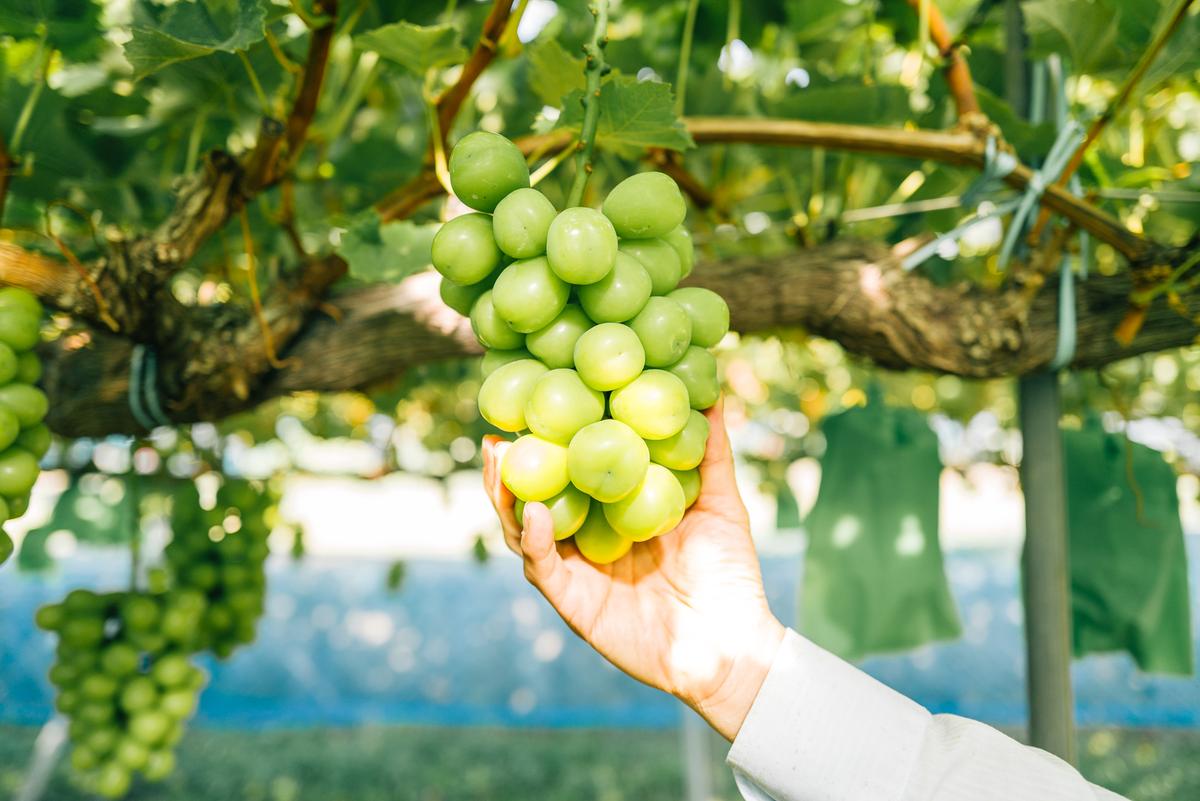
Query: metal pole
[
  {"x": 1045, "y": 584},
  {"x": 697, "y": 760}
]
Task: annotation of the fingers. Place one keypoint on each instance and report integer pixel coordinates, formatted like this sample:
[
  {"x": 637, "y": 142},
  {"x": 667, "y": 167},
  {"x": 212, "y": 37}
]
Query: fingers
[
  {"x": 502, "y": 500},
  {"x": 718, "y": 488},
  {"x": 544, "y": 566}
]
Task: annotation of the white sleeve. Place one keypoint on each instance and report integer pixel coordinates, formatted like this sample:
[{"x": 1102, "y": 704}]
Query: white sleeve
[{"x": 822, "y": 730}]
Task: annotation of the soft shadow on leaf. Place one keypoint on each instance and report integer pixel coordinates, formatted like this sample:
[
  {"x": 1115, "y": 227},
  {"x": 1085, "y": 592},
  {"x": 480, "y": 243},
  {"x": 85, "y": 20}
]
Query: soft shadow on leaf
[
  {"x": 415, "y": 47},
  {"x": 193, "y": 30},
  {"x": 632, "y": 113},
  {"x": 553, "y": 72}
]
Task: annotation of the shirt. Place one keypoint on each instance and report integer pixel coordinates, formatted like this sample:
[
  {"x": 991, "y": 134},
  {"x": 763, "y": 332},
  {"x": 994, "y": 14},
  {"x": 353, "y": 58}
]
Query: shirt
[{"x": 822, "y": 730}]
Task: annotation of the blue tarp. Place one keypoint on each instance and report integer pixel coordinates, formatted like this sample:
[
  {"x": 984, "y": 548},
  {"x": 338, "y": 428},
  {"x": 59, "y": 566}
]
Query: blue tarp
[{"x": 470, "y": 644}]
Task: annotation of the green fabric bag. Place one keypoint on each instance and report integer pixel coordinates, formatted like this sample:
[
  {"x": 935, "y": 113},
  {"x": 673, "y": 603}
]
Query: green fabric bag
[
  {"x": 873, "y": 574},
  {"x": 1129, "y": 583}
]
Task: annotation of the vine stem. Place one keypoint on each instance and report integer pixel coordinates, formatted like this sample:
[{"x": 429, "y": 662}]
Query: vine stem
[
  {"x": 685, "y": 55},
  {"x": 1100, "y": 123},
  {"x": 594, "y": 70}
]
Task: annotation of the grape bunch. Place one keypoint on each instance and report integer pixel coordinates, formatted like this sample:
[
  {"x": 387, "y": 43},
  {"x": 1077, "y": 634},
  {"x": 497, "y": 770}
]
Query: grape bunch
[
  {"x": 594, "y": 357},
  {"x": 24, "y": 438},
  {"x": 216, "y": 560},
  {"x": 125, "y": 686}
]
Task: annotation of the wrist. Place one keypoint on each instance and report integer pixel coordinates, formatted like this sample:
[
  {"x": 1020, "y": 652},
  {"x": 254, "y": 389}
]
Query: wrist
[{"x": 725, "y": 703}]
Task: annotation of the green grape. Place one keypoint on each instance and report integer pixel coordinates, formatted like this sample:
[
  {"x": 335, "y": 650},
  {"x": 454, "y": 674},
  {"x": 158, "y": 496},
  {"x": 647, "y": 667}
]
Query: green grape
[
  {"x": 464, "y": 251},
  {"x": 29, "y": 367},
  {"x": 20, "y": 330},
  {"x": 690, "y": 481},
  {"x": 10, "y": 427},
  {"x": 581, "y": 245},
  {"x": 620, "y": 295},
  {"x": 607, "y": 460},
  {"x": 598, "y": 541},
  {"x": 709, "y": 313},
  {"x": 655, "y": 404},
  {"x": 9, "y": 363},
  {"x": 113, "y": 780},
  {"x": 528, "y": 295},
  {"x": 171, "y": 670},
  {"x": 132, "y": 754},
  {"x": 140, "y": 693},
  {"x": 179, "y": 704},
  {"x": 680, "y": 240},
  {"x": 36, "y": 440},
  {"x": 119, "y": 660},
  {"x": 97, "y": 687},
  {"x": 506, "y": 391},
  {"x": 50, "y": 617},
  {"x": 484, "y": 168},
  {"x": 698, "y": 372},
  {"x": 521, "y": 223},
  {"x": 568, "y": 509},
  {"x": 490, "y": 330},
  {"x": 555, "y": 344},
  {"x": 139, "y": 613},
  {"x": 660, "y": 260},
  {"x": 102, "y": 741},
  {"x": 83, "y": 632},
  {"x": 94, "y": 713},
  {"x": 685, "y": 449},
  {"x": 645, "y": 205},
  {"x": 28, "y": 403},
  {"x": 159, "y": 765},
  {"x": 150, "y": 727},
  {"x": 461, "y": 298},
  {"x": 534, "y": 469},
  {"x": 560, "y": 405},
  {"x": 495, "y": 359},
  {"x": 665, "y": 331},
  {"x": 19, "y": 300},
  {"x": 61, "y": 675},
  {"x": 608, "y": 356},
  {"x": 653, "y": 508},
  {"x": 6, "y": 546},
  {"x": 83, "y": 759}
]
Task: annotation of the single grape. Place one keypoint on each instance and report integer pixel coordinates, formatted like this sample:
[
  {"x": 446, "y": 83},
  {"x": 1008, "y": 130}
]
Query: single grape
[
  {"x": 555, "y": 344},
  {"x": 620, "y": 295},
  {"x": 659, "y": 259},
  {"x": 560, "y": 405},
  {"x": 50, "y": 617},
  {"x": 528, "y": 295},
  {"x": 505, "y": 393},
  {"x": 534, "y": 469},
  {"x": 132, "y": 754},
  {"x": 484, "y": 167},
  {"x": 680, "y": 240},
  {"x": 112, "y": 780},
  {"x": 461, "y": 298},
  {"x": 645, "y": 205},
  {"x": 464, "y": 251},
  {"x": 490, "y": 329},
  {"x": 494, "y": 359},
  {"x": 709, "y": 313},
  {"x": 120, "y": 659},
  {"x": 29, "y": 367},
  {"x": 9, "y": 364},
  {"x": 18, "y": 472},
  {"x": 597, "y": 540},
  {"x": 36, "y": 440},
  {"x": 608, "y": 356},
  {"x": 521, "y": 222},
  {"x": 20, "y": 330},
  {"x": 568, "y": 509},
  {"x": 10, "y": 427},
  {"x": 690, "y": 481},
  {"x": 698, "y": 372},
  {"x": 653, "y": 508},
  {"x": 655, "y": 404},
  {"x": 16, "y": 299},
  {"x": 150, "y": 727},
  {"x": 581, "y": 245},
  {"x": 159, "y": 766},
  {"x": 607, "y": 460},
  {"x": 28, "y": 403},
  {"x": 685, "y": 449},
  {"x": 665, "y": 331}
]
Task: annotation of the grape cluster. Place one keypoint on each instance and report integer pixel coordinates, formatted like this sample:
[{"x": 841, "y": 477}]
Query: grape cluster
[
  {"x": 125, "y": 685},
  {"x": 24, "y": 438},
  {"x": 216, "y": 557},
  {"x": 591, "y": 347}
]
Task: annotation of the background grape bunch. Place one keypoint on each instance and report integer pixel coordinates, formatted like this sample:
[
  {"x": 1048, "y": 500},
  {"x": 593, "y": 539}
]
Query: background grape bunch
[
  {"x": 123, "y": 669},
  {"x": 594, "y": 356},
  {"x": 24, "y": 438}
]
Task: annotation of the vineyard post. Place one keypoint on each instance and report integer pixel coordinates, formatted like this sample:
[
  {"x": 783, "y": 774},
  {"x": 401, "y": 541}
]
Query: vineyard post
[{"x": 1045, "y": 574}]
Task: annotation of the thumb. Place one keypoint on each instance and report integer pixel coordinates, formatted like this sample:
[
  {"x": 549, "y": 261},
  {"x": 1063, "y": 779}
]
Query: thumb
[
  {"x": 718, "y": 488},
  {"x": 543, "y": 565}
]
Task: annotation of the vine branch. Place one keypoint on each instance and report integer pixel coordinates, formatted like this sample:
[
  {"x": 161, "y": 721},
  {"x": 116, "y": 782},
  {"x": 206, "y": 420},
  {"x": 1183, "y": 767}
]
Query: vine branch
[
  {"x": 958, "y": 74},
  {"x": 594, "y": 70},
  {"x": 304, "y": 108}
]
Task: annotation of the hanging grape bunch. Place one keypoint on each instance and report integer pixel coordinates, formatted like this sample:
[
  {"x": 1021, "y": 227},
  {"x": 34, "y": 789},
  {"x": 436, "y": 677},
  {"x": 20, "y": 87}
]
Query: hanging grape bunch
[
  {"x": 594, "y": 357},
  {"x": 24, "y": 438},
  {"x": 216, "y": 558},
  {"x": 125, "y": 686}
]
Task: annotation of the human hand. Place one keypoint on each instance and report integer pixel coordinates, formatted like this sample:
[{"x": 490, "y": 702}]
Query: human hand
[{"x": 684, "y": 612}]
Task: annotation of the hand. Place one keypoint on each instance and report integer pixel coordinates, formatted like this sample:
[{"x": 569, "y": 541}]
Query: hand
[{"x": 684, "y": 612}]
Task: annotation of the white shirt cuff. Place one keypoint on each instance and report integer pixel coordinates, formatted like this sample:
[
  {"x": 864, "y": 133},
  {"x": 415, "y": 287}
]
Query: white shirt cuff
[{"x": 821, "y": 730}]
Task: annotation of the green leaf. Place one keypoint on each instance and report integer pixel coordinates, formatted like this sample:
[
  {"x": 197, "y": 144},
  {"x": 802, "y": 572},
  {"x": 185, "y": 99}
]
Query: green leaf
[
  {"x": 1030, "y": 141},
  {"x": 379, "y": 251},
  {"x": 553, "y": 72},
  {"x": 189, "y": 30},
  {"x": 633, "y": 113},
  {"x": 851, "y": 103},
  {"x": 72, "y": 26},
  {"x": 1084, "y": 31},
  {"x": 415, "y": 47}
]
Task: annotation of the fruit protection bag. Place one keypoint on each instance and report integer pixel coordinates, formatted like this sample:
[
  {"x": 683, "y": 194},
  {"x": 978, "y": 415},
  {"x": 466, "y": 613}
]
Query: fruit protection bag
[
  {"x": 873, "y": 574},
  {"x": 1129, "y": 585}
]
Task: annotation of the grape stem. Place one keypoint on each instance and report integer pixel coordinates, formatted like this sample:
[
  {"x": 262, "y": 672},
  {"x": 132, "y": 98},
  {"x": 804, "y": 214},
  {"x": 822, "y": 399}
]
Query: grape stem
[{"x": 594, "y": 70}]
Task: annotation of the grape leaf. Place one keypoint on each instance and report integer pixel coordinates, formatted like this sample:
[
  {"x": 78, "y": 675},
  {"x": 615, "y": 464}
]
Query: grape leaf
[
  {"x": 553, "y": 72},
  {"x": 71, "y": 26},
  {"x": 391, "y": 251},
  {"x": 415, "y": 47},
  {"x": 189, "y": 30},
  {"x": 633, "y": 113},
  {"x": 1087, "y": 32}
]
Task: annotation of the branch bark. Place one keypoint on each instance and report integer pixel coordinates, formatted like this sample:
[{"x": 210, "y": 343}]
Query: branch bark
[{"x": 852, "y": 292}]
